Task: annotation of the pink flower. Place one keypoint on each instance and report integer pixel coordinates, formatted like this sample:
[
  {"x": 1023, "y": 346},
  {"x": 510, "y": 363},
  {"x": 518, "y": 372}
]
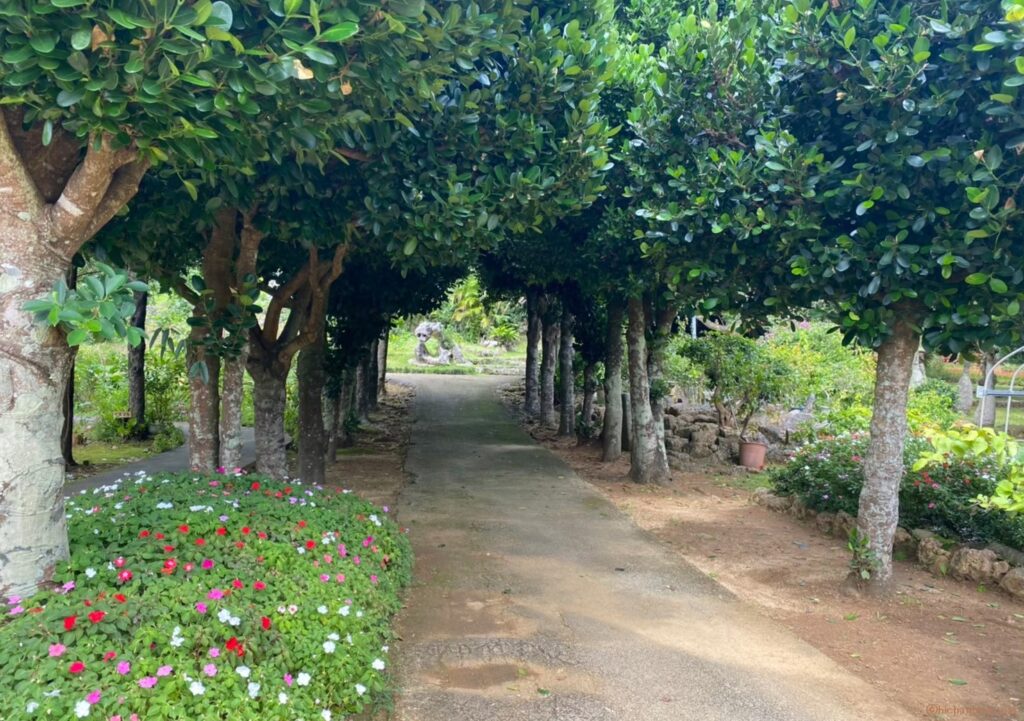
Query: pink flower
[
  {"x": 931, "y": 505},
  {"x": 367, "y": 541},
  {"x": 342, "y": 550},
  {"x": 373, "y": 578},
  {"x": 94, "y": 697},
  {"x": 214, "y": 652},
  {"x": 340, "y": 578},
  {"x": 210, "y": 670},
  {"x": 325, "y": 577},
  {"x": 147, "y": 681},
  {"x": 164, "y": 671},
  {"x": 288, "y": 679},
  {"x": 207, "y": 564},
  {"x": 215, "y": 594},
  {"x": 201, "y": 607},
  {"x": 356, "y": 560},
  {"x": 57, "y": 649},
  {"x": 124, "y": 668},
  {"x": 17, "y": 610}
]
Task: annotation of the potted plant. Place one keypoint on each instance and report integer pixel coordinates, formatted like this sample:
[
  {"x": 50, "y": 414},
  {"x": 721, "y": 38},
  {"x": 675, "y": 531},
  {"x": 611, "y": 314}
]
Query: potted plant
[{"x": 743, "y": 377}]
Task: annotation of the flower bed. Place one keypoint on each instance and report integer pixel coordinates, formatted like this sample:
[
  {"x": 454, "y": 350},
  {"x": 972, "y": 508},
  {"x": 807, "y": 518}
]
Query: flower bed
[
  {"x": 224, "y": 597},
  {"x": 827, "y": 475}
]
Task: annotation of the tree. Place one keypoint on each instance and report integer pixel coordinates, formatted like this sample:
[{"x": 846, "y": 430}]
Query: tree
[{"x": 903, "y": 216}]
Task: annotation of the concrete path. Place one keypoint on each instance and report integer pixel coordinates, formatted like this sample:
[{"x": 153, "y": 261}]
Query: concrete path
[
  {"x": 173, "y": 461},
  {"x": 536, "y": 600}
]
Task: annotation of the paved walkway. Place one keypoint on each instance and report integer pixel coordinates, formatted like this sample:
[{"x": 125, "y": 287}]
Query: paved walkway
[
  {"x": 536, "y": 600},
  {"x": 173, "y": 461}
]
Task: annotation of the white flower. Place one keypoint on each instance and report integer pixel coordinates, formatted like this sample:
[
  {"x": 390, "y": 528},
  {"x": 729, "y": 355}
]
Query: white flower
[
  {"x": 345, "y": 610},
  {"x": 82, "y": 708},
  {"x": 90, "y": 573},
  {"x": 326, "y": 715},
  {"x": 360, "y": 689},
  {"x": 321, "y": 609},
  {"x": 303, "y": 679},
  {"x": 52, "y": 694},
  {"x": 176, "y": 638},
  {"x": 254, "y": 689},
  {"x": 378, "y": 664},
  {"x": 384, "y": 649},
  {"x": 243, "y": 671},
  {"x": 334, "y": 637},
  {"x": 234, "y": 621},
  {"x": 329, "y": 647},
  {"x": 300, "y": 549},
  {"x": 197, "y": 688},
  {"x": 282, "y": 698},
  {"x": 31, "y": 706},
  {"x": 223, "y": 615},
  {"x": 359, "y": 614},
  {"x": 165, "y": 505}
]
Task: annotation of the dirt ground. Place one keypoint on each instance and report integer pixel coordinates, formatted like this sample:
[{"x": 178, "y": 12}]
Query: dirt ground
[
  {"x": 943, "y": 649},
  {"x": 373, "y": 466}
]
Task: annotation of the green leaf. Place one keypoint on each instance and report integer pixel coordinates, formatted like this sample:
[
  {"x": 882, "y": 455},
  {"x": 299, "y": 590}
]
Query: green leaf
[
  {"x": 976, "y": 279},
  {"x": 319, "y": 55},
  {"x": 47, "y": 132},
  {"x": 339, "y": 32},
  {"x": 410, "y": 246},
  {"x": 191, "y": 189},
  {"x": 78, "y": 336},
  {"x": 43, "y": 43},
  {"x": 81, "y": 39},
  {"x": 849, "y": 37},
  {"x": 997, "y": 285},
  {"x": 407, "y": 8},
  {"x": 915, "y": 161},
  {"x": 221, "y": 15}
]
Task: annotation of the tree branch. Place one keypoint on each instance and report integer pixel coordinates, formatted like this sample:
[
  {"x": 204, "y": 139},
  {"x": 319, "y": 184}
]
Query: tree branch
[
  {"x": 122, "y": 189},
  {"x": 278, "y": 300},
  {"x": 353, "y": 154},
  {"x": 18, "y": 192},
  {"x": 72, "y": 214}
]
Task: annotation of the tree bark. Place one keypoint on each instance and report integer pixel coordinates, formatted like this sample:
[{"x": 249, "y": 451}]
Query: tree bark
[
  {"x": 589, "y": 394},
  {"x": 965, "y": 389},
  {"x": 231, "y": 395},
  {"x": 627, "y": 423},
  {"x": 566, "y": 353},
  {"x": 988, "y": 404},
  {"x": 611, "y": 434},
  {"x": 382, "y": 360},
  {"x": 662, "y": 331},
  {"x": 312, "y": 441},
  {"x": 137, "y": 371},
  {"x": 373, "y": 377},
  {"x": 549, "y": 358},
  {"x": 204, "y": 406},
  {"x": 362, "y": 389},
  {"x": 648, "y": 461},
  {"x": 347, "y": 403},
  {"x": 531, "y": 403},
  {"x": 67, "y": 431},
  {"x": 334, "y": 429},
  {"x": 269, "y": 400},
  {"x": 878, "y": 511}
]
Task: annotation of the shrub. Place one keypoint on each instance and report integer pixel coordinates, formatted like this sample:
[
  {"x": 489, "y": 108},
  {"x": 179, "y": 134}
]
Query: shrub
[
  {"x": 827, "y": 475},
  {"x": 207, "y": 598}
]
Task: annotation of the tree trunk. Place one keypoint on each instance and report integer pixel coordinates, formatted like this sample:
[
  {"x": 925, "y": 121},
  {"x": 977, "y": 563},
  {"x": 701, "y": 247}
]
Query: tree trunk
[
  {"x": 347, "y": 403},
  {"x": 988, "y": 404},
  {"x": 334, "y": 429},
  {"x": 611, "y": 434},
  {"x": 137, "y": 372},
  {"x": 34, "y": 370},
  {"x": 362, "y": 403},
  {"x": 204, "y": 407},
  {"x": 567, "y": 414},
  {"x": 67, "y": 431},
  {"x": 627, "y": 423},
  {"x": 533, "y": 332},
  {"x": 589, "y": 394},
  {"x": 649, "y": 463},
  {"x": 231, "y": 396},
  {"x": 312, "y": 443},
  {"x": 373, "y": 377},
  {"x": 269, "y": 400},
  {"x": 382, "y": 360},
  {"x": 965, "y": 389},
  {"x": 549, "y": 357},
  {"x": 656, "y": 365},
  {"x": 878, "y": 511}
]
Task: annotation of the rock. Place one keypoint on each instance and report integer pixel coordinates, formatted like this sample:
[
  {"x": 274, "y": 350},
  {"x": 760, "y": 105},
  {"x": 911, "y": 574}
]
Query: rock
[
  {"x": 978, "y": 565},
  {"x": 793, "y": 420},
  {"x": 760, "y": 495},
  {"x": 824, "y": 521},
  {"x": 675, "y": 409},
  {"x": 798, "y": 509},
  {"x": 931, "y": 554},
  {"x": 703, "y": 437},
  {"x": 674, "y": 444},
  {"x": 843, "y": 525},
  {"x": 773, "y": 434},
  {"x": 728, "y": 449},
  {"x": 905, "y": 543},
  {"x": 764, "y": 497},
  {"x": 1015, "y": 557},
  {"x": 1013, "y": 583}
]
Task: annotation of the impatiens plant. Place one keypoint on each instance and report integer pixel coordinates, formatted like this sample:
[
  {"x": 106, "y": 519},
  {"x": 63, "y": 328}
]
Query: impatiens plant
[{"x": 209, "y": 597}]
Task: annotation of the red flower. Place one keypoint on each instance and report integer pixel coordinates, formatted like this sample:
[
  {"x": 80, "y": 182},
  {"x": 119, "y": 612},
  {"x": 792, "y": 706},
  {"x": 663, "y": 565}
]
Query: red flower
[
  {"x": 238, "y": 584},
  {"x": 143, "y": 534},
  {"x": 246, "y": 530},
  {"x": 183, "y": 528},
  {"x": 288, "y": 490},
  {"x": 109, "y": 656},
  {"x": 168, "y": 549},
  {"x": 69, "y": 622},
  {"x": 222, "y": 531},
  {"x": 97, "y": 616},
  {"x": 240, "y": 651},
  {"x": 266, "y": 623},
  {"x": 169, "y": 565},
  {"x": 124, "y": 576},
  {"x": 160, "y": 536},
  {"x": 255, "y": 485},
  {"x": 279, "y": 495},
  {"x": 311, "y": 545},
  {"x": 302, "y": 524},
  {"x": 262, "y": 536},
  {"x": 120, "y": 597},
  {"x": 259, "y": 585},
  {"x": 200, "y": 541},
  {"x": 239, "y": 544},
  {"x": 76, "y": 667},
  {"x": 232, "y": 643}
]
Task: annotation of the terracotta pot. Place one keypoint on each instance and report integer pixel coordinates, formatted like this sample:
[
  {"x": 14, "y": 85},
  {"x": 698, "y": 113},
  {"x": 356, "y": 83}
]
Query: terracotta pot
[{"x": 752, "y": 454}]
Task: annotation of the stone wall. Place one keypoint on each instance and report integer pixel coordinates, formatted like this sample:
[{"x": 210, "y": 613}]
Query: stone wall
[
  {"x": 692, "y": 433},
  {"x": 993, "y": 566}
]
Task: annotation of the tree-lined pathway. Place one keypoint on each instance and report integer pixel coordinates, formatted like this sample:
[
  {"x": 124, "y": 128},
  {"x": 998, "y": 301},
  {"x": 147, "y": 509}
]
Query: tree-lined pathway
[{"x": 536, "y": 600}]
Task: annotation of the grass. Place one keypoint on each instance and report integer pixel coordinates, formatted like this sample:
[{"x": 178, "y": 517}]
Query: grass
[{"x": 99, "y": 453}]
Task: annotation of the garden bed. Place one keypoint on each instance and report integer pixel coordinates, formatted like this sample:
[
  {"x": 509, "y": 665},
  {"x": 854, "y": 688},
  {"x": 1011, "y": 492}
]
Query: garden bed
[{"x": 217, "y": 597}]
